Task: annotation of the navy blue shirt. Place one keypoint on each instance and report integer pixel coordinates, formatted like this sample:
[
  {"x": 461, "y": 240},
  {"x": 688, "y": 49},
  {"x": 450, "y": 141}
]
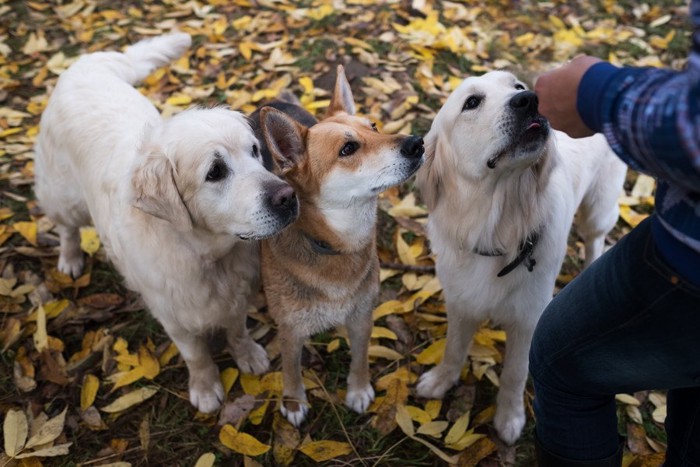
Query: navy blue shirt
[{"x": 651, "y": 119}]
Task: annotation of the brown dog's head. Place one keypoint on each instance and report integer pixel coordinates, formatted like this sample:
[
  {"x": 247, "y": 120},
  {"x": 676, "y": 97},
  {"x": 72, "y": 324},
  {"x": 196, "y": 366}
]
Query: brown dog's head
[{"x": 342, "y": 159}]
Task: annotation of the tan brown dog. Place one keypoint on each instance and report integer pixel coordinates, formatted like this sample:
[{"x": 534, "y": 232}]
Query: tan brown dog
[{"x": 323, "y": 270}]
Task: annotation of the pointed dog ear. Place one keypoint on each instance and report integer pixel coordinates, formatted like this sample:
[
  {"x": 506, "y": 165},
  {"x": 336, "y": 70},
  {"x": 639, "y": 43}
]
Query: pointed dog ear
[
  {"x": 342, "y": 100},
  {"x": 284, "y": 138},
  {"x": 155, "y": 192}
]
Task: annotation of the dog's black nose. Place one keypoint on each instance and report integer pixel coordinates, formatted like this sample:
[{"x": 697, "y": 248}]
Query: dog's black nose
[
  {"x": 412, "y": 147},
  {"x": 525, "y": 101},
  {"x": 282, "y": 196}
]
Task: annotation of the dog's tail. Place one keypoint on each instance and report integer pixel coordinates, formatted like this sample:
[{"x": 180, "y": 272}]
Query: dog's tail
[{"x": 147, "y": 55}]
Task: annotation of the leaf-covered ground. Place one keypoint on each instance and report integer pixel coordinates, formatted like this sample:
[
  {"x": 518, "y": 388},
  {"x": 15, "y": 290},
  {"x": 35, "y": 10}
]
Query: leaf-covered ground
[{"x": 87, "y": 377}]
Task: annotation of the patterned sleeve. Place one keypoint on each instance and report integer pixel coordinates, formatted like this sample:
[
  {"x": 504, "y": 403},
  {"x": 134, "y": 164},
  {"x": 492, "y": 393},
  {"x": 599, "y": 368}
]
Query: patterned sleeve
[{"x": 651, "y": 117}]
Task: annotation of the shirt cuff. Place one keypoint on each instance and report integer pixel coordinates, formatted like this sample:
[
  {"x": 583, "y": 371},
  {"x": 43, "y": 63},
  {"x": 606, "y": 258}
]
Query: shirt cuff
[{"x": 590, "y": 99}]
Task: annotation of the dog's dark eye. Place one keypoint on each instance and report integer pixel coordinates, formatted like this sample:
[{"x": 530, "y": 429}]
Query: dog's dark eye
[
  {"x": 519, "y": 87},
  {"x": 255, "y": 151},
  {"x": 374, "y": 126},
  {"x": 349, "y": 148},
  {"x": 217, "y": 171},
  {"x": 471, "y": 103}
]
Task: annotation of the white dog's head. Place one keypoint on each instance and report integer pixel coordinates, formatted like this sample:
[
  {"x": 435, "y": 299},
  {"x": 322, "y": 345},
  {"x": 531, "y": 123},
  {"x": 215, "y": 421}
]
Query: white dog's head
[
  {"x": 488, "y": 125},
  {"x": 202, "y": 169}
]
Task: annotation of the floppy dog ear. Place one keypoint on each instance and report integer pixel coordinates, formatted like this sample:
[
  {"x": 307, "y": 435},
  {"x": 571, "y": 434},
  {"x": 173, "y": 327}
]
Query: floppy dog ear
[
  {"x": 284, "y": 138},
  {"x": 155, "y": 192},
  {"x": 342, "y": 100},
  {"x": 429, "y": 177}
]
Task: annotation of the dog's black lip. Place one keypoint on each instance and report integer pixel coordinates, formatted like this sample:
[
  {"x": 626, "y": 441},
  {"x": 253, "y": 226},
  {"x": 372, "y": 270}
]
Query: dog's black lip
[
  {"x": 417, "y": 165},
  {"x": 537, "y": 127},
  {"x": 283, "y": 224}
]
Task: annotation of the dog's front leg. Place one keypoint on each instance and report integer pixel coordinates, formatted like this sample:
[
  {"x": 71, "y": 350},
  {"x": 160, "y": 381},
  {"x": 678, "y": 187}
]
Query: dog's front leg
[
  {"x": 460, "y": 330},
  {"x": 250, "y": 356},
  {"x": 360, "y": 392},
  {"x": 294, "y": 405},
  {"x": 206, "y": 390},
  {"x": 510, "y": 411}
]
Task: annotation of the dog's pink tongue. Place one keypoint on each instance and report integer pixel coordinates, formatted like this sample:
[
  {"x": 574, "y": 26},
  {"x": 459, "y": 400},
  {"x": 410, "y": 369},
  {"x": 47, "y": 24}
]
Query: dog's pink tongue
[{"x": 533, "y": 125}]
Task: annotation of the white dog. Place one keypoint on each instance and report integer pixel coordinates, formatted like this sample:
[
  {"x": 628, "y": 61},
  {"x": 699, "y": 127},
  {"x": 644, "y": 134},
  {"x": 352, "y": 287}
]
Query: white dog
[
  {"x": 502, "y": 190},
  {"x": 175, "y": 202}
]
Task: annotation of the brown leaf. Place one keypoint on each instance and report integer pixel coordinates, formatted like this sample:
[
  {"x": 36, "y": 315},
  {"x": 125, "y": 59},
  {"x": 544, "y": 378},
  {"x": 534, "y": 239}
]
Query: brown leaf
[
  {"x": 101, "y": 300},
  {"x": 637, "y": 439},
  {"x": 472, "y": 455},
  {"x": 286, "y": 440},
  {"x": 235, "y": 412},
  {"x": 396, "y": 394},
  {"x": 649, "y": 460},
  {"x": 92, "y": 418},
  {"x": 51, "y": 370}
]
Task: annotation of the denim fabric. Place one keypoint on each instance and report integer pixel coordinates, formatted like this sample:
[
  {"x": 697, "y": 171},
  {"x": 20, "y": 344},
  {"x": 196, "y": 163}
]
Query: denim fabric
[{"x": 627, "y": 323}]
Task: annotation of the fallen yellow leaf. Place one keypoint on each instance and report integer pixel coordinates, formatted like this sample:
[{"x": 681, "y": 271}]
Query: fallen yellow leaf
[
  {"x": 89, "y": 391},
  {"x": 432, "y": 355},
  {"x": 228, "y": 379},
  {"x": 321, "y": 451},
  {"x": 240, "y": 442},
  {"x": 458, "y": 429},
  {"x": 384, "y": 352},
  {"x": 150, "y": 365},
  {"x": 387, "y": 308},
  {"x": 131, "y": 399},
  {"x": 206, "y": 460},
  {"x": 49, "y": 431},
  {"x": 41, "y": 339},
  {"x": 15, "y": 429},
  {"x": 89, "y": 240},
  {"x": 26, "y": 230}
]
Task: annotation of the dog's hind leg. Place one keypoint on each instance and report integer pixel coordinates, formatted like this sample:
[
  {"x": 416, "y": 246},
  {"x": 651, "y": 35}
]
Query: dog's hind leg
[
  {"x": 460, "y": 330},
  {"x": 294, "y": 405},
  {"x": 510, "y": 411},
  {"x": 599, "y": 210},
  {"x": 61, "y": 200},
  {"x": 360, "y": 392},
  {"x": 206, "y": 390},
  {"x": 250, "y": 356}
]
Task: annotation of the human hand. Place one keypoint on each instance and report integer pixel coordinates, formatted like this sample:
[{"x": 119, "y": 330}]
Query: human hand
[{"x": 557, "y": 90}]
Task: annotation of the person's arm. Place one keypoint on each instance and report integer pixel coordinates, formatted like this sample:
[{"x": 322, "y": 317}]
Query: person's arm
[{"x": 651, "y": 117}]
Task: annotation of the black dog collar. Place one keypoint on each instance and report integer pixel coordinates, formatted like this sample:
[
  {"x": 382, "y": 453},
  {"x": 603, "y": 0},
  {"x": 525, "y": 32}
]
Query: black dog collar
[{"x": 527, "y": 248}]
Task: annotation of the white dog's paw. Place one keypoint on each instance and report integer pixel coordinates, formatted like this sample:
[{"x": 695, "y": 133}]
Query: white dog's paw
[
  {"x": 294, "y": 411},
  {"x": 359, "y": 399},
  {"x": 509, "y": 423},
  {"x": 71, "y": 265},
  {"x": 206, "y": 396},
  {"x": 251, "y": 357},
  {"x": 435, "y": 383}
]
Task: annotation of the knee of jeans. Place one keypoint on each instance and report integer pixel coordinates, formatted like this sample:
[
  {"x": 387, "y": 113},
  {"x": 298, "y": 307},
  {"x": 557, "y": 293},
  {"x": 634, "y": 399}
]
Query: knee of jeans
[{"x": 539, "y": 354}]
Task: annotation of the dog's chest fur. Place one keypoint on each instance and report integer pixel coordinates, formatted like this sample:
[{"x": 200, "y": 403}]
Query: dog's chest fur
[
  {"x": 497, "y": 219},
  {"x": 197, "y": 291},
  {"x": 312, "y": 291}
]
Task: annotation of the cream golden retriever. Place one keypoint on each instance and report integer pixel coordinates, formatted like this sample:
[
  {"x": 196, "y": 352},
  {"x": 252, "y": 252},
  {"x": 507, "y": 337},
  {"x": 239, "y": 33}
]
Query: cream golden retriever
[
  {"x": 502, "y": 189},
  {"x": 177, "y": 202}
]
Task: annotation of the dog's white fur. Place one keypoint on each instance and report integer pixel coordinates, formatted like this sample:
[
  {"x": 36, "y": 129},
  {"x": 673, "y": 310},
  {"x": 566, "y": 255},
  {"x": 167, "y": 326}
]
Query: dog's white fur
[
  {"x": 105, "y": 154},
  {"x": 474, "y": 207}
]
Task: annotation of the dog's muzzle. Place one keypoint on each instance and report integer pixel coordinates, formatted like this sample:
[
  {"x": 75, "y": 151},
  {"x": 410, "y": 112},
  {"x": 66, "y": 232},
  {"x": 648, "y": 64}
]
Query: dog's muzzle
[{"x": 412, "y": 147}]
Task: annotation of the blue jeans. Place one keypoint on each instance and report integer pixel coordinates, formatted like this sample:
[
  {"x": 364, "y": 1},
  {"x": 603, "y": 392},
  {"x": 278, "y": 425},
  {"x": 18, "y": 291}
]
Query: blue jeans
[{"x": 625, "y": 324}]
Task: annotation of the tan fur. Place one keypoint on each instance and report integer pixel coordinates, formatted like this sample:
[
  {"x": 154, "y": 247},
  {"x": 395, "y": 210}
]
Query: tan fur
[{"x": 307, "y": 291}]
